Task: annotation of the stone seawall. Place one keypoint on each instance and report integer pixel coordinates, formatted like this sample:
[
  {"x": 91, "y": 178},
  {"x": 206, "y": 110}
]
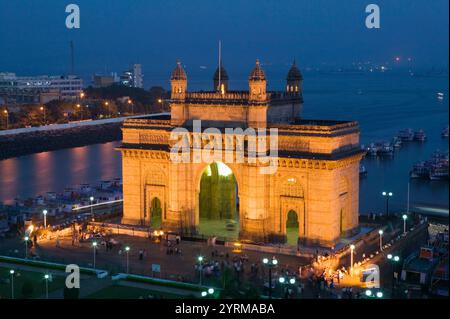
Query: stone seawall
[{"x": 51, "y": 140}]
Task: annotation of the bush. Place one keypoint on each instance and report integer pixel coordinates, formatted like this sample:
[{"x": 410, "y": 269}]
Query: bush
[{"x": 27, "y": 289}]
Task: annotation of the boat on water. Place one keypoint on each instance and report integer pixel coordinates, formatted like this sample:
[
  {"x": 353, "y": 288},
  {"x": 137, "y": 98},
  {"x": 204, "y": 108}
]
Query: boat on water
[
  {"x": 406, "y": 135},
  {"x": 385, "y": 149},
  {"x": 381, "y": 149},
  {"x": 396, "y": 142},
  {"x": 420, "y": 170},
  {"x": 362, "y": 170},
  {"x": 373, "y": 149},
  {"x": 439, "y": 172},
  {"x": 445, "y": 132},
  {"x": 420, "y": 136},
  {"x": 434, "y": 169}
]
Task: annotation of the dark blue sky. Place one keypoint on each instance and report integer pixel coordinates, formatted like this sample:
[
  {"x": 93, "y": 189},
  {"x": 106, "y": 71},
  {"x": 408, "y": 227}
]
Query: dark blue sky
[{"x": 116, "y": 33}]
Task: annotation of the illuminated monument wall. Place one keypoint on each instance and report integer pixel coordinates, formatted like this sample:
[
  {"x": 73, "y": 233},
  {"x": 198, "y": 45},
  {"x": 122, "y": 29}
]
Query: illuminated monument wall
[{"x": 317, "y": 174}]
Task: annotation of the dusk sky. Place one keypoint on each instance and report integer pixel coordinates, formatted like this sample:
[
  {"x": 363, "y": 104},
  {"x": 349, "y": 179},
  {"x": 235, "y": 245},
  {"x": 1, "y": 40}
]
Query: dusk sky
[{"x": 117, "y": 33}]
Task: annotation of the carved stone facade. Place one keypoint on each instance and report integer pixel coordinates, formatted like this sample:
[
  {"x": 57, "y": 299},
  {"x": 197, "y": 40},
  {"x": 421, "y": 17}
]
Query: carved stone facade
[{"x": 317, "y": 172}]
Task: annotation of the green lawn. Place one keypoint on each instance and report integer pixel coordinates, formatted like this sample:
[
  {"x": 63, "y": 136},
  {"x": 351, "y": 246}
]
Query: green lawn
[
  {"x": 124, "y": 292},
  {"x": 217, "y": 227},
  {"x": 34, "y": 278}
]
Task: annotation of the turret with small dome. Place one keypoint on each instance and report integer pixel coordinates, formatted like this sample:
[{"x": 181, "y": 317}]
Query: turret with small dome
[
  {"x": 257, "y": 83},
  {"x": 221, "y": 79},
  {"x": 178, "y": 83},
  {"x": 294, "y": 80}
]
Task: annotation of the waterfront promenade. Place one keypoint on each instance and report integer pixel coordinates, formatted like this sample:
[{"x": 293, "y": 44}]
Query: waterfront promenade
[{"x": 54, "y": 127}]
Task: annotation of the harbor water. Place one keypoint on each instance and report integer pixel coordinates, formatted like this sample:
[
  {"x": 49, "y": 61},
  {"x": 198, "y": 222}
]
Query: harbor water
[{"x": 383, "y": 104}]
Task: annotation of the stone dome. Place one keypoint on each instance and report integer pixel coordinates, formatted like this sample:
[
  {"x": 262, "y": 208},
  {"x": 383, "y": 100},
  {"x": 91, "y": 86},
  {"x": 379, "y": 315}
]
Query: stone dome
[
  {"x": 294, "y": 73},
  {"x": 223, "y": 74},
  {"x": 178, "y": 73},
  {"x": 257, "y": 72}
]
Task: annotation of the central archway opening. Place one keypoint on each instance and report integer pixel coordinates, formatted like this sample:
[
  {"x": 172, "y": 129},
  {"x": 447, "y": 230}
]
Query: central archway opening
[
  {"x": 292, "y": 228},
  {"x": 218, "y": 202},
  {"x": 155, "y": 213}
]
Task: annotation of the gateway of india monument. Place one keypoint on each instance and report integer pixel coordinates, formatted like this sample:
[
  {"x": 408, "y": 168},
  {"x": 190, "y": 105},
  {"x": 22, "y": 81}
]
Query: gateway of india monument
[{"x": 314, "y": 186}]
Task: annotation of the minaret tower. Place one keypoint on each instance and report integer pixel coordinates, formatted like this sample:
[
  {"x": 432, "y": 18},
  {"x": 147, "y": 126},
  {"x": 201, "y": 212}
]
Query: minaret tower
[
  {"x": 294, "y": 80},
  {"x": 178, "y": 83},
  {"x": 257, "y": 84}
]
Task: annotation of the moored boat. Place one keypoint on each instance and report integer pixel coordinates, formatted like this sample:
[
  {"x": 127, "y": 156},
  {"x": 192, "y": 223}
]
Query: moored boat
[
  {"x": 420, "y": 170},
  {"x": 362, "y": 170},
  {"x": 420, "y": 136},
  {"x": 406, "y": 135},
  {"x": 396, "y": 142}
]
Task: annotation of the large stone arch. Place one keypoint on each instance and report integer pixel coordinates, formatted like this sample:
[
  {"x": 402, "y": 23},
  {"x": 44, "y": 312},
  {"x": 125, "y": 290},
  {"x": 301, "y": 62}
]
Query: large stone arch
[{"x": 199, "y": 171}]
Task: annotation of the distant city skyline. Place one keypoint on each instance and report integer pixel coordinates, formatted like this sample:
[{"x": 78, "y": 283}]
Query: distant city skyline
[{"x": 116, "y": 34}]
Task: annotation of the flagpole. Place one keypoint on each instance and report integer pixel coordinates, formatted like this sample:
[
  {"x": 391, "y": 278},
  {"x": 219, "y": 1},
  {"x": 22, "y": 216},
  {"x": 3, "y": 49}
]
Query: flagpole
[
  {"x": 220, "y": 65},
  {"x": 407, "y": 202}
]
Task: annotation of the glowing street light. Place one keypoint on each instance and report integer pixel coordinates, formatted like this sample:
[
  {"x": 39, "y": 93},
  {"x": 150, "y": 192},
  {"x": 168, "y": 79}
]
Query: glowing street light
[
  {"x": 44, "y": 212},
  {"x": 42, "y": 108},
  {"x": 11, "y": 272},
  {"x": 200, "y": 268},
  {"x": 405, "y": 217},
  {"x": 127, "y": 250},
  {"x": 91, "y": 199},
  {"x": 352, "y": 249},
  {"x": 380, "y": 232},
  {"x": 94, "y": 245},
  {"x": 387, "y": 195},
  {"x": 130, "y": 102},
  {"x": 7, "y": 118},
  {"x": 270, "y": 263},
  {"x": 26, "y": 239},
  {"x": 46, "y": 278}
]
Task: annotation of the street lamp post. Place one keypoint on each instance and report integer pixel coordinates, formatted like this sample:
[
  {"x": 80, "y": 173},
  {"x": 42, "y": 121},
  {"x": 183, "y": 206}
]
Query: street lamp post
[
  {"x": 92, "y": 208},
  {"x": 11, "y": 272},
  {"x": 26, "y": 238},
  {"x": 393, "y": 260},
  {"x": 42, "y": 108},
  {"x": 130, "y": 102},
  {"x": 46, "y": 278},
  {"x": 352, "y": 250},
  {"x": 200, "y": 268},
  {"x": 94, "y": 245},
  {"x": 270, "y": 263},
  {"x": 381, "y": 239},
  {"x": 387, "y": 195},
  {"x": 107, "y": 106},
  {"x": 283, "y": 281},
  {"x": 127, "y": 250},
  {"x": 405, "y": 217},
  {"x": 7, "y": 118},
  {"x": 44, "y": 212},
  {"x": 80, "y": 111}
]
